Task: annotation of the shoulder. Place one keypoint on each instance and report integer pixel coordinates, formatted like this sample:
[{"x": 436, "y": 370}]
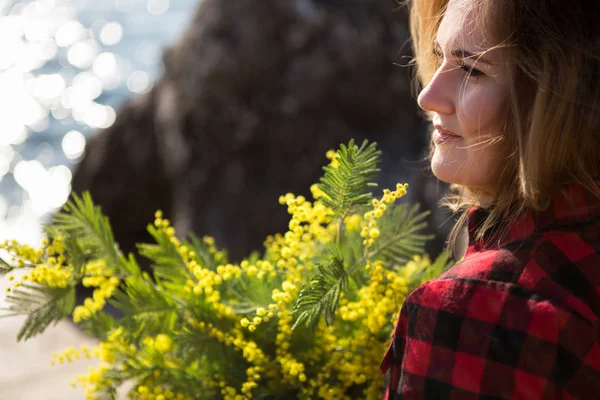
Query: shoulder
[
  {"x": 565, "y": 259},
  {"x": 503, "y": 264},
  {"x": 556, "y": 265},
  {"x": 496, "y": 328},
  {"x": 552, "y": 275}
]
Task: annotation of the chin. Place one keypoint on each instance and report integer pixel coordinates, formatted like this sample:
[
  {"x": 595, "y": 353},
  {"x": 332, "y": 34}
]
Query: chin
[
  {"x": 450, "y": 175},
  {"x": 446, "y": 172}
]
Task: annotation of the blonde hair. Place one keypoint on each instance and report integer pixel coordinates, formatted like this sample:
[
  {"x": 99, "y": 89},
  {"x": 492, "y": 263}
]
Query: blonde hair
[{"x": 552, "y": 131}]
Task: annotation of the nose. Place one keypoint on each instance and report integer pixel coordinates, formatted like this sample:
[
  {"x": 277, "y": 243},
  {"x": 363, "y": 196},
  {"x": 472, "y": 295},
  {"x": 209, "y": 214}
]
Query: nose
[{"x": 437, "y": 95}]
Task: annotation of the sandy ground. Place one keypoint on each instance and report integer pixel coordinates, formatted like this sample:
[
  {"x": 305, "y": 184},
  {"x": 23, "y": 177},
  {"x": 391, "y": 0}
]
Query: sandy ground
[{"x": 25, "y": 370}]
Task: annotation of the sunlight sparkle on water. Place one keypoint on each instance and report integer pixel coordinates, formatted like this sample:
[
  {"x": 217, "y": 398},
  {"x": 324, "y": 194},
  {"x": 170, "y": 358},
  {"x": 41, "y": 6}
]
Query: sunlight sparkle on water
[
  {"x": 111, "y": 33},
  {"x": 70, "y": 33},
  {"x": 48, "y": 49},
  {"x": 48, "y": 189},
  {"x": 21, "y": 225},
  {"x": 84, "y": 89},
  {"x": 82, "y": 54},
  {"x": 38, "y": 29},
  {"x": 99, "y": 116},
  {"x": 3, "y": 207},
  {"x": 73, "y": 144},
  {"x": 105, "y": 67},
  {"x": 6, "y": 156},
  {"x": 57, "y": 70},
  {"x": 139, "y": 82},
  {"x": 157, "y": 7},
  {"x": 29, "y": 57},
  {"x": 47, "y": 88}
]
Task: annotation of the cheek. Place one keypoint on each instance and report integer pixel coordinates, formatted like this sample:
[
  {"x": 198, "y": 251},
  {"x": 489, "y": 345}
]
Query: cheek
[{"x": 481, "y": 108}]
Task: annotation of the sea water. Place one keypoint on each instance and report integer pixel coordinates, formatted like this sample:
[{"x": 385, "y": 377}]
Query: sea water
[{"x": 65, "y": 68}]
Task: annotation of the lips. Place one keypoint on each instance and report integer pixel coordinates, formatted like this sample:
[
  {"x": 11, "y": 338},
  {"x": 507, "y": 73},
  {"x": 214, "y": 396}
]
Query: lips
[
  {"x": 441, "y": 129},
  {"x": 441, "y": 135}
]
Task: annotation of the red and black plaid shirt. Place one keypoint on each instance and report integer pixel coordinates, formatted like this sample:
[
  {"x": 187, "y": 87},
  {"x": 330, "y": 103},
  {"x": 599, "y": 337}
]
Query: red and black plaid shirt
[{"x": 518, "y": 321}]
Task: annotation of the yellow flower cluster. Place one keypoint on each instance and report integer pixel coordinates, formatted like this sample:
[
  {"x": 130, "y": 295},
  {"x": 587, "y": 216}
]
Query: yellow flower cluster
[
  {"x": 22, "y": 253},
  {"x": 370, "y": 232},
  {"x": 260, "y": 270},
  {"x": 325, "y": 382},
  {"x": 353, "y": 223},
  {"x": 51, "y": 273},
  {"x": 248, "y": 307},
  {"x": 291, "y": 369},
  {"x": 115, "y": 346},
  {"x": 352, "y": 360},
  {"x": 163, "y": 343},
  {"x": 342, "y": 361},
  {"x": 96, "y": 274},
  {"x": 310, "y": 226},
  {"x": 203, "y": 280},
  {"x": 71, "y": 354},
  {"x": 209, "y": 241},
  {"x": 309, "y": 222},
  {"x": 332, "y": 155},
  {"x": 148, "y": 392},
  {"x": 360, "y": 359},
  {"x": 250, "y": 351},
  {"x": 93, "y": 382},
  {"x": 262, "y": 315},
  {"x": 253, "y": 374}
]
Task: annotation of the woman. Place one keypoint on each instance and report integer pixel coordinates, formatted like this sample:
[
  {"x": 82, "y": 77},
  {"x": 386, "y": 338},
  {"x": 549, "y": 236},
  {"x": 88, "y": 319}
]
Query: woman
[{"x": 512, "y": 88}]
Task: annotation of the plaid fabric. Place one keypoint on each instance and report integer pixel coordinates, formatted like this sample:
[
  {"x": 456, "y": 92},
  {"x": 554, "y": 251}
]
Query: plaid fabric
[{"x": 515, "y": 321}]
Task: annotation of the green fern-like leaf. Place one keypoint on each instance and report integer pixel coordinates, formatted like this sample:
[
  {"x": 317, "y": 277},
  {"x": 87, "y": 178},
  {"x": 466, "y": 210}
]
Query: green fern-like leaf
[
  {"x": 145, "y": 306},
  {"x": 82, "y": 220},
  {"x": 42, "y": 305},
  {"x": 130, "y": 265},
  {"x": 400, "y": 236},
  {"x": 344, "y": 185},
  {"x": 203, "y": 255},
  {"x": 99, "y": 325},
  {"x": 76, "y": 254},
  {"x": 5, "y": 267},
  {"x": 321, "y": 295},
  {"x": 169, "y": 268}
]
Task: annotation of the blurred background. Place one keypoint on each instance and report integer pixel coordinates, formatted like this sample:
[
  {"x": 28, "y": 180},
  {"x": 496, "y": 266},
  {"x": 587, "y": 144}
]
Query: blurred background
[
  {"x": 65, "y": 67},
  {"x": 207, "y": 109}
]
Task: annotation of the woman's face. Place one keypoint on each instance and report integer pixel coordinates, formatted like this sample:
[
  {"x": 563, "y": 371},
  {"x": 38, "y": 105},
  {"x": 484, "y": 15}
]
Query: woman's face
[{"x": 467, "y": 97}]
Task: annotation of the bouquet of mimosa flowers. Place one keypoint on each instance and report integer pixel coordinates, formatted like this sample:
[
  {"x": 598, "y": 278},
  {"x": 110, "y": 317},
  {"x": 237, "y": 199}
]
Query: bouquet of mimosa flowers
[{"x": 308, "y": 318}]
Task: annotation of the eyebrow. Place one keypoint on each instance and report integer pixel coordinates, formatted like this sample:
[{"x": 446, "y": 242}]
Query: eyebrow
[{"x": 462, "y": 53}]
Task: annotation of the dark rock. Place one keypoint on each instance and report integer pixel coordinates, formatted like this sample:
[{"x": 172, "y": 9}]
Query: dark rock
[{"x": 253, "y": 95}]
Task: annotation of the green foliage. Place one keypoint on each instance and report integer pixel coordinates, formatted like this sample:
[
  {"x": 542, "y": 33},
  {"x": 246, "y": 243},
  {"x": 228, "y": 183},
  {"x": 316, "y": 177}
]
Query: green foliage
[
  {"x": 345, "y": 182},
  {"x": 99, "y": 325},
  {"x": 42, "y": 305},
  {"x": 169, "y": 269},
  {"x": 145, "y": 306},
  {"x": 322, "y": 294},
  {"x": 308, "y": 318},
  {"x": 5, "y": 267},
  {"x": 400, "y": 238},
  {"x": 83, "y": 222}
]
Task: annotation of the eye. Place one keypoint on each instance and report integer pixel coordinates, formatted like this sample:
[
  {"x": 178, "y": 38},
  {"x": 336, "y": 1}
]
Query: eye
[
  {"x": 470, "y": 71},
  {"x": 437, "y": 52}
]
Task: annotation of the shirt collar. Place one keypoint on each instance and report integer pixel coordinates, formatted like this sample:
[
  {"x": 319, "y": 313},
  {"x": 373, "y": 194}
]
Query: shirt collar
[{"x": 572, "y": 204}]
